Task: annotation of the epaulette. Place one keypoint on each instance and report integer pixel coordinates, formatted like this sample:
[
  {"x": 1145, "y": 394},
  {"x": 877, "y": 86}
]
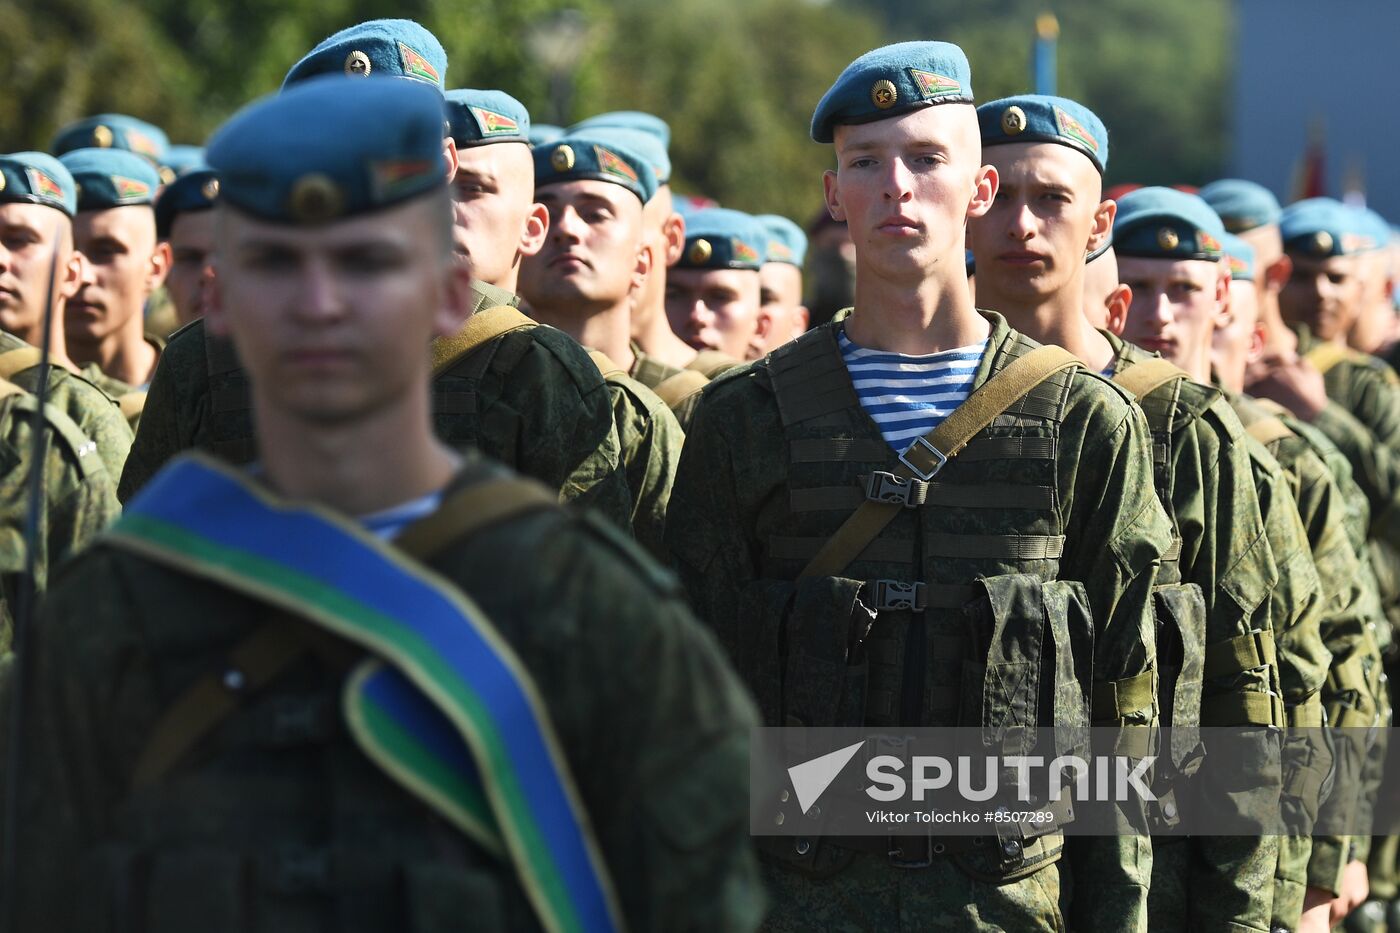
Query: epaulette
[{"x": 82, "y": 450}]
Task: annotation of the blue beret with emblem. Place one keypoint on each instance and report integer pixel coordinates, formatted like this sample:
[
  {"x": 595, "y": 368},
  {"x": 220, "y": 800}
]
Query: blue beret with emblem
[
  {"x": 108, "y": 178},
  {"x": 1240, "y": 256},
  {"x": 628, "y": 120},
  {"x": 395, "y": 48},
  {"x": 786, "y": 241},
  {"x": 542, "y": 133},
  {"x": 113, "y": 131},
  {"x": 180, "y": 159},
  {"x": 1319, "y": 228},
  {"x": 330, "y": 148},
  {"x": 891, "y": 81},
  {"x": 1163, "y": 223},
  {"x": 1242, "y": 205},
  {"x": 481, "y": 117},
  {"x": 644, "y": 144},
  {"x": 594, "y": 157},
  {"x": 1040, "y": 118},
  {"x": 719, "y": 238},
  {"x": 37, "y": 178},
  {"x": 195, "y": 190}
]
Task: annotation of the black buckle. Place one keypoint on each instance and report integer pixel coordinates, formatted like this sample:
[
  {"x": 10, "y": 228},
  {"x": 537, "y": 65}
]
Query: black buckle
[
  {"x": 895, "y": 490},
  {"x": 895, "y": 596},
  {"x": 899, "y": 856}
]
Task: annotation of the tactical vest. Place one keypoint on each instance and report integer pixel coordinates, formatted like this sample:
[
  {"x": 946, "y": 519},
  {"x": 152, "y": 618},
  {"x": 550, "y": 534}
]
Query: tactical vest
[{"x": 971, "y": 625}]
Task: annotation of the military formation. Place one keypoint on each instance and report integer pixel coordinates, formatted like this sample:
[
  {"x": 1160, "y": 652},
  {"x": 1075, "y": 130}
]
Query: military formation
[{"x": 411, "y": 510}]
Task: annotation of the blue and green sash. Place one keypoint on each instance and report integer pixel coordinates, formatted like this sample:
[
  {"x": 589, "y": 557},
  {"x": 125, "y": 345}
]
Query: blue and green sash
[{"x": 445, "y": 706}]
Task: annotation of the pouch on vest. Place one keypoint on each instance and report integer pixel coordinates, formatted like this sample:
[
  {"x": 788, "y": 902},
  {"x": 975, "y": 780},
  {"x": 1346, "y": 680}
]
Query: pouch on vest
[
  {"x": 814, "y": 654},
  {"x": 1180, "y": 613}
]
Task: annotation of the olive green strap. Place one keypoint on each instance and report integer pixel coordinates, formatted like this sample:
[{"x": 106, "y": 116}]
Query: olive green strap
[
  {"x": 606, "y": 366},
  {"x": 927, "y": 455},
  {"x": 18, "y": 360},
  {"x": 676, "y": 388},
  {"x": 1304, "y": 715},
  {"x": 8, "y": 388},
  {"x": 132, "y": 404},
  {"x": 1241, "y": 653},
  {"x": 481, "y": 328},
  {"x": 1142, "y": 379},
  {"x": 1116, "y": 699},
  {"x": 711, "y": 363},
  {"x": 1242, "y": 709},
  {"x": 1268, "y": 430},
  {"x": 275, "y": 646},
  {"x": 1325, "y": 356}
]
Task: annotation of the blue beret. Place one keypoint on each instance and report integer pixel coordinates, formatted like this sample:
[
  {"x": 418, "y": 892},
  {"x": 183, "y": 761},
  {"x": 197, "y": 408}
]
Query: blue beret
[
  {"x": 1163, "y": 223},
  {"x": 643, "y": 144},
  {"x": 397, "y": 48},
  {"x": 1240, "y": 256},
  {"x": 180, "y": 159},
  {"x": 1040, "y": 118},
  {"x": 319, "y": 152},
  {"x": 1323, "y": 227},
  {"x": 108, "y": 178},
  {"x": 597, "y": 158},
  {"x": 786, "y": 241},
  {"x": 113, "y": 131},
  {"x": 891, "y": 81},
  {"x": 1378, "y": 226},
  {"x": 1242, "y": 205},
  {"x": 480, "y": 117},
  {"x": 37, "y": 178},
  {"x": 628, "y": 120},
  {"x": 718, "y": 238},
  {"x": 542, "y": 133},
  {"x": 196, "y": 190}
]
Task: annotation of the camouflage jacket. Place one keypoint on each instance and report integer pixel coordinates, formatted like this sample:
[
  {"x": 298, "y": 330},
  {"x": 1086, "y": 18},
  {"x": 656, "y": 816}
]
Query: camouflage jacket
[
  {"x": 530, "y": 398},
  {"x": 1059, "y": 488},
  {"x": 652, "y": 373},
  {"x": 275, "y": 820}
]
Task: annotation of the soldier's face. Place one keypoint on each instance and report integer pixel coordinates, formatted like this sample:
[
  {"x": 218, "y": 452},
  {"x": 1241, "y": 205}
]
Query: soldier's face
[
  {"x": 906, "y": 187},
  {"x": 492, "y": 194},
  {"x": 334, "y": 322},
  {"x": 1240, "y": 338},
  {"x": 1048, "y": 214},
  {"x": 1325, "y": 294},
  {"x": 593, "y": 253},
  {"x": 29, "y": 234},
  {"x": 191, "y": 246},
  {"x": 780, "y": 302},
  {"x": 124, "y": 266},
  {"x": 1176, "y": 306},
  {"x": 714, "y": 309}
]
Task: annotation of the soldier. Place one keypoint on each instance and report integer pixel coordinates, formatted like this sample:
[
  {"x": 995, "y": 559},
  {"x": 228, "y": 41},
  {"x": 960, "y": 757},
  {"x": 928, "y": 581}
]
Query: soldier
[
  {"x": 37, "y": 203},
  {"x": 1106, "y": 299},
  {"x": 185, "y": 222},
  {"x": 837, "y": 627},
  {"x": 1373, "y": 332},
  {"x": 588, "y": 712},
  {"x": 1049, "y": 213},
  {"x": 582, "y": 282},
  {"x": 713, "y": 292},
  {"x": 526, "y": 395},
  {"x": 113, "y": 131},
  {"x": 115, "y": 229},
  {"x": 780, "y": 282}
]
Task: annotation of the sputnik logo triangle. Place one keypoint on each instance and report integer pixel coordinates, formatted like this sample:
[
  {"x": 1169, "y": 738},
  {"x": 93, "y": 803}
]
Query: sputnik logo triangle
[{"x": 811, "y": 778}]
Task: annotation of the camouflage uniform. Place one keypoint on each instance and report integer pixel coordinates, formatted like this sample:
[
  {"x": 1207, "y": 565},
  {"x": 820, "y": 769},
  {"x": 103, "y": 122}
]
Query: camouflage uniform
[
  {"x": 129, "y": 398},
  {"x": 530, "y": 398},
  {"x": 95, "y": 414},
  {"x": 1208, "y": 489},
  {"x": 275, "y": 820},
  {"x": 683, "y": 394},
  {"x": 768, "y": 475}
]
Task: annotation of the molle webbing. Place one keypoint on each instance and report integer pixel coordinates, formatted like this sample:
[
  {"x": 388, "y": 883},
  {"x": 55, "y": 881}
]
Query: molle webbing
[{"x": 1156, "y": 384}]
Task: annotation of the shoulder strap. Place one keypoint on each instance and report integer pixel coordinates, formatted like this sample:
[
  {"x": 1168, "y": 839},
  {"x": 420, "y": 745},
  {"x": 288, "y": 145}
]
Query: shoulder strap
[
  {"x": 8, "y": 388},
  {"x": 481, "y": 328},
  {"x": 605, "y": 364},
  {"x": 712, "y": 362},
  {"x": 1324, "y": 356},
  {"x": 132, "y": 404},
  {"x": 1272, "y": 407},
  {"x": 1142, "y": 379},
  {"x": 675, "y": 389},
  {"x": 927, "y": 455},
  {"x": 18, "y": 360},
  {"x": 82, "y": 448},
  {"x": 1268, "y": 430}
]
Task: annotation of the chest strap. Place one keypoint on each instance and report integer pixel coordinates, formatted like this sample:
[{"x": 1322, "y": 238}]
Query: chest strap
[
  {"x": 711, "y": 363},
  {"x": 18, "y": 360},
  {"x": 1268, "y": 430},
  {"x": 926, "y": 456},
  {"x": 605, "y": 364},
  {"x": 481, "y": 328},
  {"x": 680, "y": 386},
  {"x": 1142, "y": 379}
]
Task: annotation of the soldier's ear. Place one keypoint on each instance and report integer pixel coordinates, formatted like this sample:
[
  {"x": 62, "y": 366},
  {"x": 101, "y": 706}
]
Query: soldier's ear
[
  {"x": 645, "y": 262},
  {"x": 457, "y": 300},
  {"x": 449, "y": 155},
  {"x": 984, "y": 191},
  {"x": 159, "y": 267},
  {"x": 1103, "y": 224},
  {"x": 73, "y": 274},
  {"x": 1119, "y": 301},
  {"x": 674, "y": 230},
  {"x": 1256, "y": 342},
  {"x": 212, "y": 297},
  {"x": 832, "y": 187},
  {"x": 536, "y": 230},
  {"x": 1278, "y": 273}
]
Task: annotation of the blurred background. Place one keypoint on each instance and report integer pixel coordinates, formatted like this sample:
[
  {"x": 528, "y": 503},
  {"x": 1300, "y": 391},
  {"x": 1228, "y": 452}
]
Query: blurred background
[{"x": 1299, "y": 96}]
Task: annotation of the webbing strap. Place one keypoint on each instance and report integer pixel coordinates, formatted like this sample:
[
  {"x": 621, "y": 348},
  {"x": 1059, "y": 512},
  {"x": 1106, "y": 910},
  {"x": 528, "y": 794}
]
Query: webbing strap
[
  {"x": 990, "y": 496},
  {"x": 1142, "y": 379},
  {"x": 680, "y": 386},
  {"x": 1272, "y": 407},
  {"x": 928, "y": 454},
  {"x": 1348, "y": 675},
  {"x": 1116, "y": 699},
  {"x": 605, "y": 364},
  {"x": 8, "y": 388},
  {"x": 1304, "y": 715},
  {"x": 132, "y": 404},
  {"x": 481, "y": 328},
  {"x": 1268, "y": 430},
  {"x": 1241, "y": 653},
  {"x": 273, "y": 647},
  {"x": 711, "y": 363},
  {"x": 18, "y": 360},
  {"x": 1325, "y": 356},
  {"x": 1242, "y": 709}
]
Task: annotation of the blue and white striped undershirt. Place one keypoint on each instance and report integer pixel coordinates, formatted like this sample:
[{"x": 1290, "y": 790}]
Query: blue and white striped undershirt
[{"x": 909, "y": 396}]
